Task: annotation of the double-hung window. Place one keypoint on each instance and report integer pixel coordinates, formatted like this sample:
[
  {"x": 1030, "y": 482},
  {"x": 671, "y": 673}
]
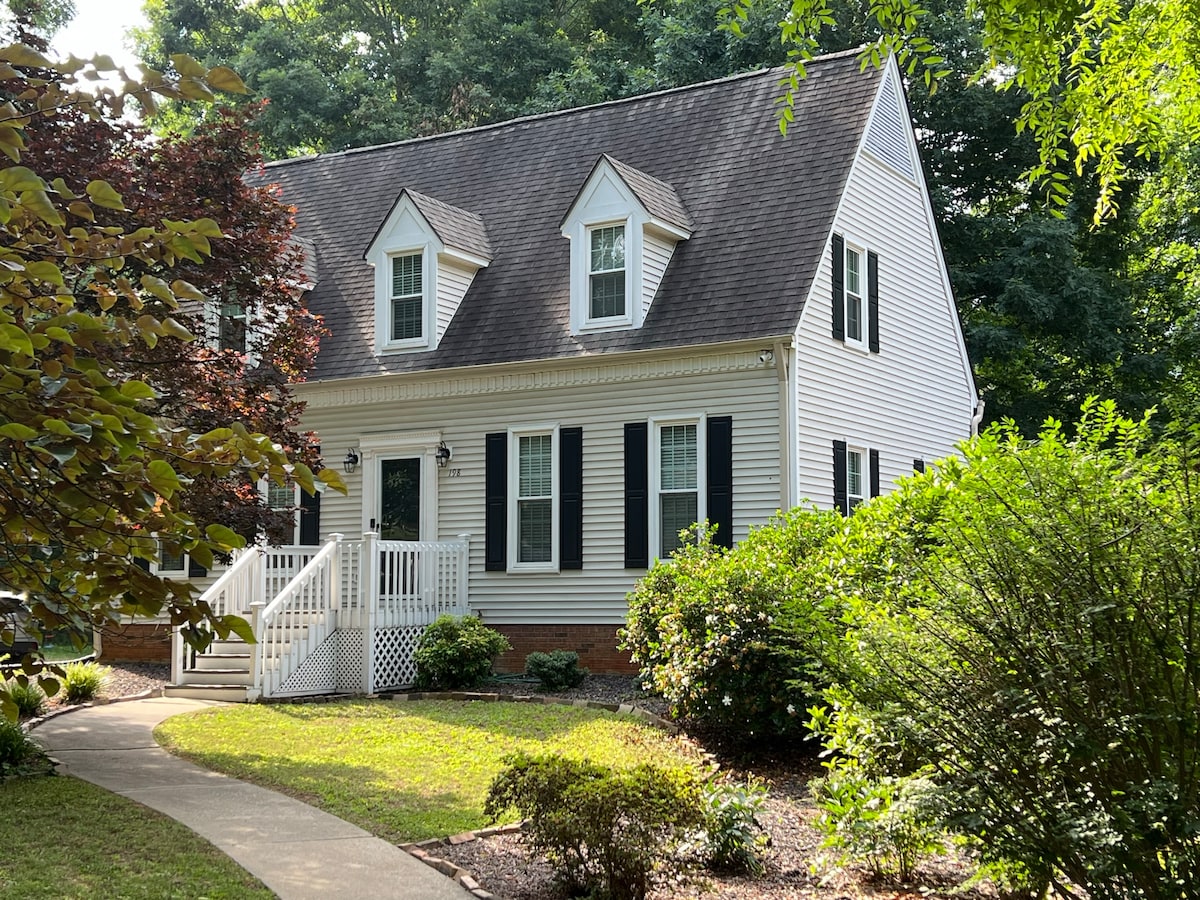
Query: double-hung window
[
  {"x": 856, "y": 476},
  {"x": 534, "y": 500},
  {"x": 408, "y": 298},
  {"x": 856, "y": 309},
  {"x": 678, "y": 483},
  {"x": 284, "y": 497},
  {"x": 171, "y": 563},
  {"x": 606, "y": 273},
  {"x": 231, "y": 327}
]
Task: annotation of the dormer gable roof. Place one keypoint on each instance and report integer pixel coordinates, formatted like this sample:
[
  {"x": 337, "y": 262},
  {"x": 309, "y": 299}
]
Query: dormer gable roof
[
  {"x": 659, "y": 199},
  {"x": 457, "y": 229}
]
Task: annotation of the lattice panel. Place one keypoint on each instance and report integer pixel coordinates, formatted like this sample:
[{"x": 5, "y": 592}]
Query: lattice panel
[
  {"x": 394, "y": 664},
  {"x": 351, "y": 653},
  {"x": 316, "y": 675}
]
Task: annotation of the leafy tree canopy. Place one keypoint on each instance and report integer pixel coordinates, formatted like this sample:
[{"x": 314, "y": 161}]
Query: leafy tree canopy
[
  {"x": 93, "y": 465},
  {"x": 1104, "y": 81}
]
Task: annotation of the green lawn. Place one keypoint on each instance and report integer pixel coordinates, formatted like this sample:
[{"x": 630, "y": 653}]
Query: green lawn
[
  {"x": 404, "y": 771},
  {"x": 65, "y": 838}
]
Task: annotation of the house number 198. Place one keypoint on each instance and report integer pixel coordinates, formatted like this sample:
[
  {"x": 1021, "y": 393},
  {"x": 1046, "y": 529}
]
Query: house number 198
[{"x": 455, "y": 473}]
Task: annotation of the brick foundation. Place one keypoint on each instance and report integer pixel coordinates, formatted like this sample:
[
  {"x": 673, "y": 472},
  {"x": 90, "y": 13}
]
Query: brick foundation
[
  {"x": 595, "y": 644},
  {"x": 140, "y": 642}
]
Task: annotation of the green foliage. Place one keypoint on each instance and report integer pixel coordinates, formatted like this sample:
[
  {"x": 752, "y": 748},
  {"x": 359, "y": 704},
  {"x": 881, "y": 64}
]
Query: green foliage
[
  {"x": 732, "y": 839},
  {"x": 1104, "y": 82},
  {"x": 1036, "y": 647},
  {"x": 83, "y": 681},
  {"x": 18, "y": 753},
  {"x": 732, "y": 639},
  {"x": 604, "y": 830},
  {"x": 457, "y": 652},
  {"x": 556, "y": 670},
  {"x": 868, "y": 814},
  {"x": 25, "y": 695}
]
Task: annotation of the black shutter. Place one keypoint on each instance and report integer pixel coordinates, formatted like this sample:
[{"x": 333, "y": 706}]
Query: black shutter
[
  {"x": 637, "y": 496},
  {"x": 840, "y": 502},
  {"x": 310, "y": 518},
  {"x": 874, "y": 473},
  {"x": 495, "y": 489},
  {"x": 719, "y": 472},
  {"x": 195, "y": 570},
  {"x": 918, "y": 466},
  {"x": 570, "y": 498},
  {"x": 873, "y": 301},
  {"x": 143, "y": 564},
  {"x": 839, "y": 287}
]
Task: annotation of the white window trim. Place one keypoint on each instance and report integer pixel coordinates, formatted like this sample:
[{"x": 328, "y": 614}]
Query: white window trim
[
  {"x": 157, "y": 569},
  {"x": 264, "y": 486},
  {"x": 861, "y": 343},
  {"x": 625, "y": 320},
  {"x": 514, "y": 477},
  {"x": 864, "y": 476},
  {"x": 212, "y": 329},
  {"x": 656, "y": 426},
  {"x": 383, "y": 294}
]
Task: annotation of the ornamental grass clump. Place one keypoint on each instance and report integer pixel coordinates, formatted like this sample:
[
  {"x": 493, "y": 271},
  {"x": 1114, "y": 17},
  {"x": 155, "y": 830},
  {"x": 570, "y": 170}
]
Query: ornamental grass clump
[
  {"x": 19, "y": 755},
  {"x": 83, "y": 681},
  {"x": 25, "y": 695}
]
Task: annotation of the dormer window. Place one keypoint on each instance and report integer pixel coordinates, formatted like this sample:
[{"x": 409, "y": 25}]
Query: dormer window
[
  {"x": 231, "y": 327},
  {"x": 607, "y": 274},
  {"x": 408, "y": 298},
  {"x": 623, "y": 228},
  {"x": 425, "y": 255}
]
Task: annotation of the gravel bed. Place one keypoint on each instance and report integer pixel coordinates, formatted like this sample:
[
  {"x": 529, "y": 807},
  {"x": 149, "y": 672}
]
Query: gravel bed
[
  {"x": 601, "y": 688},
  {"x": 126, "y": 680}
]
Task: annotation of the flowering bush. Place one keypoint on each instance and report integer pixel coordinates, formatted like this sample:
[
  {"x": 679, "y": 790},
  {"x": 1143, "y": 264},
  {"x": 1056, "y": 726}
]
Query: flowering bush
[{"x": 729, "y": 637}]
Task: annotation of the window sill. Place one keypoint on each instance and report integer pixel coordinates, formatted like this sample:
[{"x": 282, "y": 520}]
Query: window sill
[{"x": 533, "y": 568}]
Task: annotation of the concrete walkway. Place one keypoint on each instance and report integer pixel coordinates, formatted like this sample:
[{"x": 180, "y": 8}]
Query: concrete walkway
[{"x": 297, "y": 851}]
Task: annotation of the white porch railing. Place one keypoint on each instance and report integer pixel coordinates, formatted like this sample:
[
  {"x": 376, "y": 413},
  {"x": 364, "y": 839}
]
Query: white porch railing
[
  {"x": 298, "y": 620},
  {"x": 232, "y": 593}
]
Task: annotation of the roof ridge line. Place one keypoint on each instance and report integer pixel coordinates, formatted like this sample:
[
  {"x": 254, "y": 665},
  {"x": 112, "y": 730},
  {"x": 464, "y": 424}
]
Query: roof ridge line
[{"x": 534, "y": 117}]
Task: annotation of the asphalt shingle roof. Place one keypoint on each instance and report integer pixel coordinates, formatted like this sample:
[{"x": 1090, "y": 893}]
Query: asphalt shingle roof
[
  {"x": 658, "y": 197},
  {"x": 761, "y": 207}
]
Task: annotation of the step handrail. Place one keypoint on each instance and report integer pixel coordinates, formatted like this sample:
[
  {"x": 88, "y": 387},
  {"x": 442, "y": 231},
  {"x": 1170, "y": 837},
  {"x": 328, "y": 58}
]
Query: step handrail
[
  {"x": 216, "y": 596},
  {"x": 305, "y": 585}
]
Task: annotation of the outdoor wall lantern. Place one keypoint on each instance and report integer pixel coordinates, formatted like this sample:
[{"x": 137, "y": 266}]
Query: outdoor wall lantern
[
  {"x": 442, "y": 455},
  {"x": 350, "y": 463}
]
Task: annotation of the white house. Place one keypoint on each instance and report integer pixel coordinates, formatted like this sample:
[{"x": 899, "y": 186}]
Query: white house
[{"x": 556, "y": 341}]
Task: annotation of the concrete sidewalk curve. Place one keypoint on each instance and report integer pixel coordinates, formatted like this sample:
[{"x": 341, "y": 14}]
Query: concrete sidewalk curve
[{"x": 297, "y": 851}]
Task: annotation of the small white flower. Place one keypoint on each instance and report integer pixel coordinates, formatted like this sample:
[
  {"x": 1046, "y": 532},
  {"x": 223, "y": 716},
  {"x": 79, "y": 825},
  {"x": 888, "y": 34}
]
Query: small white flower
[
  {"x": 791, "y": 710},
  {"x": 727, "y": 700}
]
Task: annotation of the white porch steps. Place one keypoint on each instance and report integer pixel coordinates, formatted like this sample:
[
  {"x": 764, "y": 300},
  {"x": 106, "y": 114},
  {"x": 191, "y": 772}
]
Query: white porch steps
[{"x": 221, "y": 673}]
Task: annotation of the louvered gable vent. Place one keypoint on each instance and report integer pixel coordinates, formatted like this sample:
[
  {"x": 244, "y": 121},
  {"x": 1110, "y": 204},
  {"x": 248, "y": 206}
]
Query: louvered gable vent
[{"x": 888, "y": 135}]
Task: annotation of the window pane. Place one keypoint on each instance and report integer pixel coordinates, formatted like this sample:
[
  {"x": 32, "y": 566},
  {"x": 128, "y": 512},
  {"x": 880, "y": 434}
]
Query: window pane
[
  {"x": 535, "y": 475},
  {"x": 608, "y": 248},
  {"x": 677, "y": 457},
  {"x": 280, "y": 496},
  {"x": 534, "y": 537},
  {"x": 406, "y": 318},
  {"x": 608, "y": 295},
  {"x": 853, "y": 270},
  {"x": 678, "y": 511},
  {"x": 854, "y": 478},
  {"x": 169, "y": 561},
  {"x": 406, "y": 275},
  {"x": 232, "y": 325},
  {"x": 853, "y": 318}
]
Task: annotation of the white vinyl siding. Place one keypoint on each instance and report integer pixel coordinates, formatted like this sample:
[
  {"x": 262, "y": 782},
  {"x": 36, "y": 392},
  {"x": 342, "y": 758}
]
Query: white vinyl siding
[
  {"x": 601, "y": 407},
  {"x": 915, "y": 398},
  {"x": 656, "y": 255},
  {"x": 452, "y": 284}
]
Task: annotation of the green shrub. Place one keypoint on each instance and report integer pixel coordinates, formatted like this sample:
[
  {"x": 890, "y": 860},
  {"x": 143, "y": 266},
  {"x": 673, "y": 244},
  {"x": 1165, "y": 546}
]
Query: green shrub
[
  {"x": 731, "y": 639},
  {"x": 1037, "y": 649},
  {"x": 556, "y": 670},
  {"x": 868, "y": 815},
  {"x": 83, "y": 681},
  {"x": 18, "y": 753},
  {"x": 457, "y": 652},
  {"x": 604, "y": 830},
  {"x": 26, "y": 695},
  {"x": 733, "y": 840}
]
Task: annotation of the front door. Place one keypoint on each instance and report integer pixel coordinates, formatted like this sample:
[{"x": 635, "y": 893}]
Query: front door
[{"x": 399, "y": 499}]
